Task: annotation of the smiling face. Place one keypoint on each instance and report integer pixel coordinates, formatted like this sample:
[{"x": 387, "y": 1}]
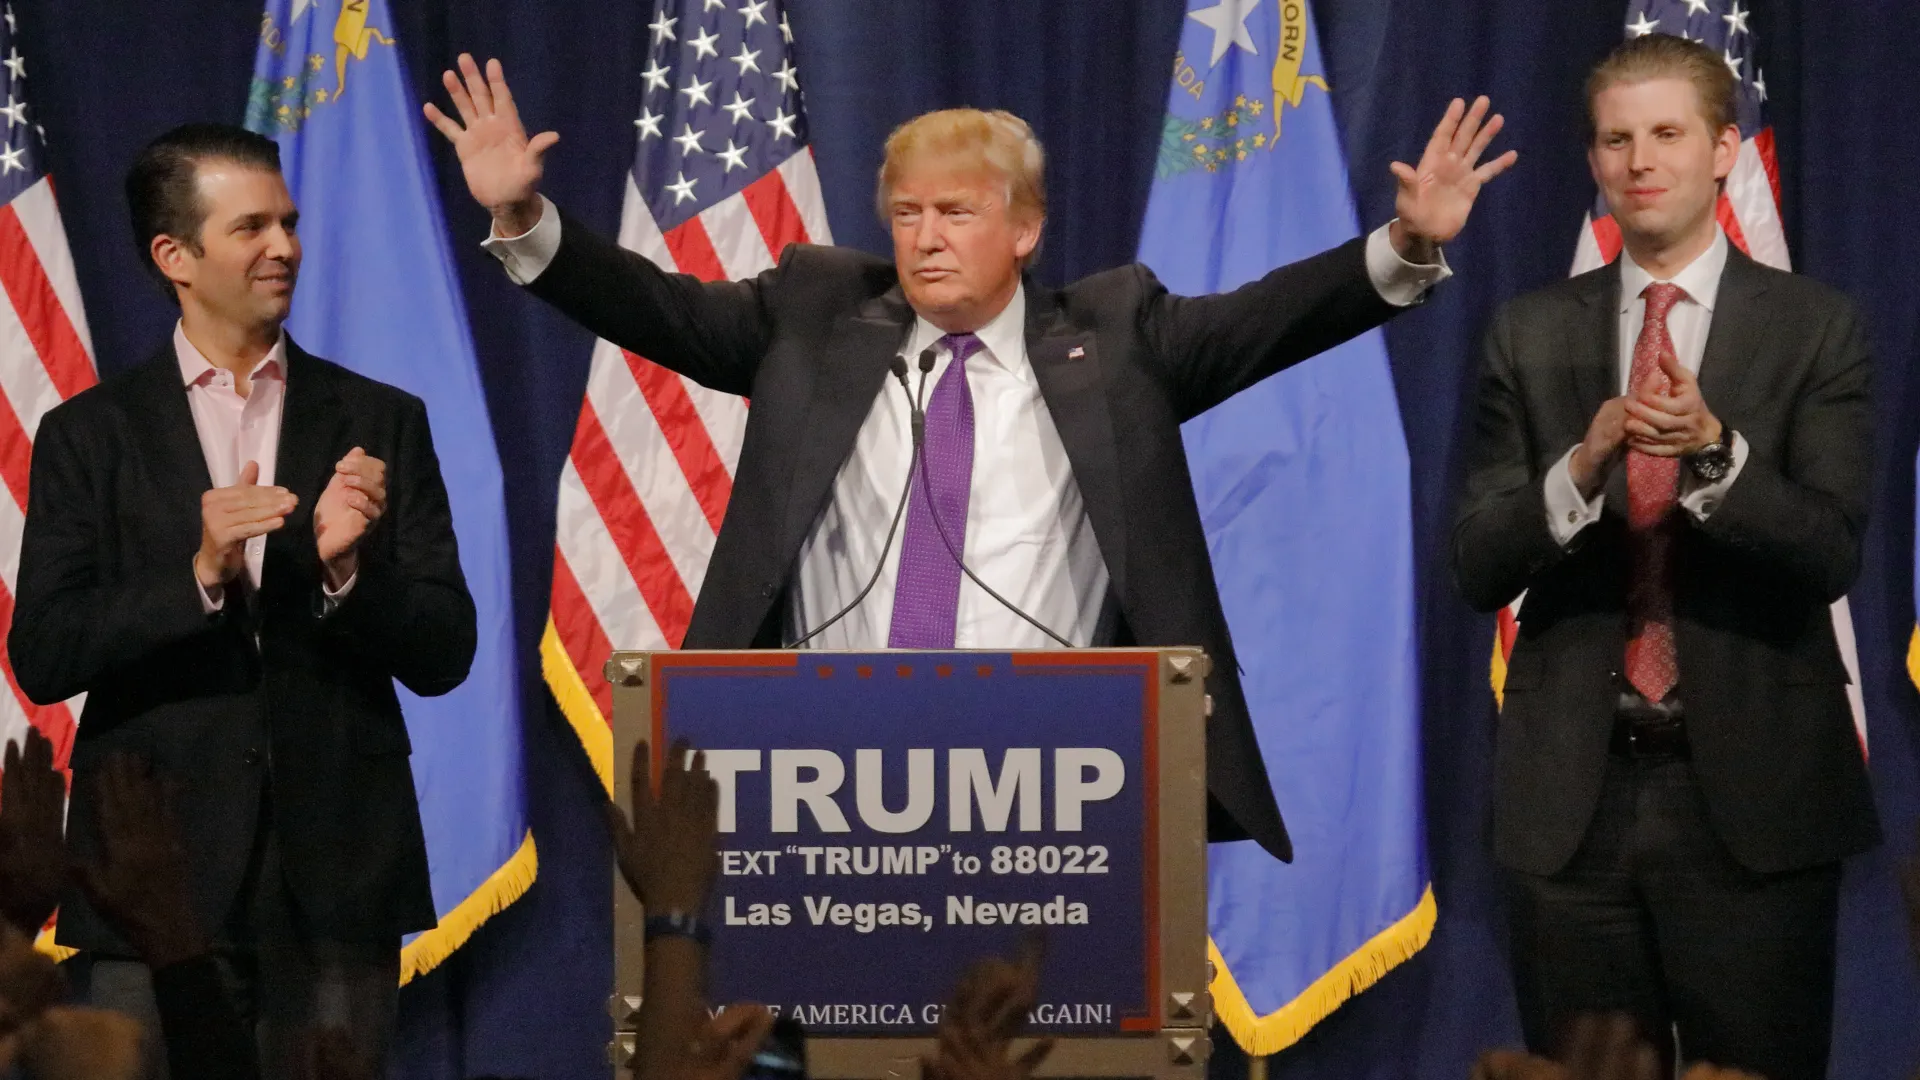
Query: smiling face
[
  {"x": 1659, "y": 163},
  {"x": 957, "y": 242},
  {"x": 241, "y": 269}
]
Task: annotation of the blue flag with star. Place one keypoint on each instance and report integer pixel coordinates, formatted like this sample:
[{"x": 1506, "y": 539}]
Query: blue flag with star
[
  {"x": 378, "y": 294},
  {"x": 1304, "y": 489}
]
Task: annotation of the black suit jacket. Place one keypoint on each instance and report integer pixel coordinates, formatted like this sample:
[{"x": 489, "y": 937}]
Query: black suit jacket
[
  {"x": 1120, "y": 364},
  {"x": 108, "y": 605},
  {"x": 1760, "y": 674}
]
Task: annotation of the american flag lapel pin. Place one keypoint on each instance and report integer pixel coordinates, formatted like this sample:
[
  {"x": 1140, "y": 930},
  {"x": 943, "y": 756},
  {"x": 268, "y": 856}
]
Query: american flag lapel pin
[{"x": 1078, "y": 352}]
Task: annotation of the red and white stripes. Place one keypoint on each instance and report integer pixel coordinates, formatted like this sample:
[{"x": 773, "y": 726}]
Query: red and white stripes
[
  {"x": 46, "y": 356},
  {"x": 647, "y": 481}
]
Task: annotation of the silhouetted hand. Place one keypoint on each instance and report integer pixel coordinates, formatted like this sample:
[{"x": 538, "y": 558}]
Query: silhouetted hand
[
  {"x": 141, "y": 882},
  {"x": 327, "y": 1054},
  {"x": 32, "y": 854},
  {"x": 989, "y": 1009},
  {"x": 721, "y": 1048},
  {"x": 29, "y": 984},
  {"x": 666, "y": 852},
  {"x": 81, "y": 1044}
]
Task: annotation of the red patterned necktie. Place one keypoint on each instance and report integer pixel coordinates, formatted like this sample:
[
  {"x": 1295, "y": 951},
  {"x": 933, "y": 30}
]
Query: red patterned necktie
[{"x": 1653, "y": 490}]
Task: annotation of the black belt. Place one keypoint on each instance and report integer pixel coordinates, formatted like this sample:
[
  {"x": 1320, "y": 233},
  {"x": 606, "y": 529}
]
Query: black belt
[{"x": 1644, "y": 730}]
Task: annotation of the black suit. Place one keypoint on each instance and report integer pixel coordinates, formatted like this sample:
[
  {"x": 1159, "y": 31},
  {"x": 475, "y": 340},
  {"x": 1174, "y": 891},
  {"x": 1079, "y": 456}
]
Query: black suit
[
  {"x": 1776, "y": 780},
  {"x": 1120, "y": 364},
  {"x": 268, "y": 692}
]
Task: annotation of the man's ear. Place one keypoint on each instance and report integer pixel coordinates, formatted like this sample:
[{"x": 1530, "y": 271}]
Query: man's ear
[{"x": 174, "y": 258}]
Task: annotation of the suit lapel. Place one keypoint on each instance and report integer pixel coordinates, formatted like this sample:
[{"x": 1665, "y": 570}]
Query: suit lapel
[
  {"x": 1593, "y": 349},
  {"x": 858, "y": 353},
  {"x": 1735, "y": 338},
  {"x": 314, "y": 430},
  {"x": 1067, "y": 365},
  {"x": 166, "y": 429}
]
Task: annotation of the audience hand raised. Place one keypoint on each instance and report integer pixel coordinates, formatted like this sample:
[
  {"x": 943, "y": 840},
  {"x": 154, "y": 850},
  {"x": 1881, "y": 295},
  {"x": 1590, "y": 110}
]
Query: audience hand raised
[
  {"x": 666, "y": 851},
  {"x": 989, "y": 1009},
  {"x": 32, "y": 853},
  {"x": 141, "y": 881}
]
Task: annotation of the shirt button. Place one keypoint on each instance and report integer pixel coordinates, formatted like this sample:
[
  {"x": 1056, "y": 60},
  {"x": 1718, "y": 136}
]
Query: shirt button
[
  {"x": 1573, "y": 516},
  {"x": 1707, "y": 507}
]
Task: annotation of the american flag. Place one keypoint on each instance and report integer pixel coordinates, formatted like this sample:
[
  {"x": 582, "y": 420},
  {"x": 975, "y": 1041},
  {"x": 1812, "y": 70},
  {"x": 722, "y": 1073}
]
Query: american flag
[
  {"x": 46, "y": 356},
  {"x": 722, "y": 182},
  {"x": 1749, "y": 213}
]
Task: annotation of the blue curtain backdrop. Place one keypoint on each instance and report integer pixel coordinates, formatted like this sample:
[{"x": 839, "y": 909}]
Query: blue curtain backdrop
[{"x": 526, "y": 996}]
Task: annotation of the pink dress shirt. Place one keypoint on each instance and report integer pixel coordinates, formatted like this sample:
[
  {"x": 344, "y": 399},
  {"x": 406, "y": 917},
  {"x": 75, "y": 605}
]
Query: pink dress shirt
[{"x": 234, "y": 430}]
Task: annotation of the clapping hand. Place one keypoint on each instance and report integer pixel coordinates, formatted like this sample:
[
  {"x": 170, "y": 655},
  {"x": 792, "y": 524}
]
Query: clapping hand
[
  {"x": 354, "y": 501},
  {"x": 1671, "y": 424}
]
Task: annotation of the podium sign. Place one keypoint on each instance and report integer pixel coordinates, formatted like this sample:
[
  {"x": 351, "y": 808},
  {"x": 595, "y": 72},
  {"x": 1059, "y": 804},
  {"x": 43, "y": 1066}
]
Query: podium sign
[{"x": 888, "y": 818}]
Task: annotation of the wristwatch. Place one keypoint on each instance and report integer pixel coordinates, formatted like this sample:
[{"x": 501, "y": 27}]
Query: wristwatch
[{"x": 1713, "y": 461}]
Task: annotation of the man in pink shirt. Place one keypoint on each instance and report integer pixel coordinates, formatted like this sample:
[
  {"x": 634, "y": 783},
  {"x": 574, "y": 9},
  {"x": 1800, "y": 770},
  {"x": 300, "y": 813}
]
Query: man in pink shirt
[{"x": 233, "y": 550}]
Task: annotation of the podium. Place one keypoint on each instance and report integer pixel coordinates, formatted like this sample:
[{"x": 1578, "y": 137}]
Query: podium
[{"x": 887, "y": 818}]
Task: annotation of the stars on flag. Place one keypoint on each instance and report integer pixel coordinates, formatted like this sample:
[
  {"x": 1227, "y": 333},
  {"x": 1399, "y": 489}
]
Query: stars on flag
[
  {"x": 656, "y": 76},
  {"x": 1736, "y": 20},
  {"x": 702, "y": 45},
  {"x": 722, "y": 67},
  {"x": 1643, "y": 26}
]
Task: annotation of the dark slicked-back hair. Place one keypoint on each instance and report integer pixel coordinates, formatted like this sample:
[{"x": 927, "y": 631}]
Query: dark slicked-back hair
[
  {"x": 1663, "y": 56},
  {"x": 163, "y": 191}
]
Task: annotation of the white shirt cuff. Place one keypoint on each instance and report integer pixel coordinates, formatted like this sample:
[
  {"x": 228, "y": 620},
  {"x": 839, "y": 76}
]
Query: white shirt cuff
[
  {"x": 1700, "y": 498},
  {"x": 333, "y": 598},
  {"x": 208, "y": 605},
  {"x": 526, "y": 256},
  {"x": 1399, "y": 282},
  {"x": 1567, "y": 512}
]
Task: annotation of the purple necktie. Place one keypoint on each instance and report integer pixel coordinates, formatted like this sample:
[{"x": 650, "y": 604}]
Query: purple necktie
[{"x": 926, "y": 592}]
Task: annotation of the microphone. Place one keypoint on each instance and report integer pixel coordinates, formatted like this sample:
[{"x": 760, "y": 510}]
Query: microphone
[{"x": 899, "y": 370}]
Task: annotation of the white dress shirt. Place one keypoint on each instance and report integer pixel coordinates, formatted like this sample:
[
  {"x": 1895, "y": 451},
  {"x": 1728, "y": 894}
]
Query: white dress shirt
[
  {"x": 1027, "y": 531},
  {"x": 235, "y": 429},
  {"x": 1687, "y": 324}
]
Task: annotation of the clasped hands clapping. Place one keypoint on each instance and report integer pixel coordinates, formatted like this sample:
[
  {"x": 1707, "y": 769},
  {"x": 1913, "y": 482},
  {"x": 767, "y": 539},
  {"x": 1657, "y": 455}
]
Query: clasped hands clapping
[
  {"x": 349, "y": 508},
  {"x": 1673, "y": 424}
]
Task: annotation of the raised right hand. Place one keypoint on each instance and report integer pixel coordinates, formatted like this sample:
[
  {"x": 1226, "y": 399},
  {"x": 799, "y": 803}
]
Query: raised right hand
[
  {"x": 1596, "y": 455},
  {"x": 502, "y": 165},
  {"x": 229, "y": 517}
]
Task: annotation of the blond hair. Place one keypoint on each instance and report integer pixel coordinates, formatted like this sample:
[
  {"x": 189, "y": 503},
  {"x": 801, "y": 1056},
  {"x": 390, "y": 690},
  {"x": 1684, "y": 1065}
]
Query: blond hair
[
  {"x": 1663, "y": 56},
  {"x": 997, "y": 140}
]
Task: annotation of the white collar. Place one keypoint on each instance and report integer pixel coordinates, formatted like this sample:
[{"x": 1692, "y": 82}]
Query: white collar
[
  {"x": 1700, "y": 278},
  {"x": 1003, "y": 340}
]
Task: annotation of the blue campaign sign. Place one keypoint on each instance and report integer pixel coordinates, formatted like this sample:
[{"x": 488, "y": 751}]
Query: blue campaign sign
[{"x": 886, "y": 819}]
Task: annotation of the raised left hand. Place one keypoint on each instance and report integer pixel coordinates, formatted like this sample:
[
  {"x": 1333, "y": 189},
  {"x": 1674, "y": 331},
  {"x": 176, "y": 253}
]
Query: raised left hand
[
  {"x": 1436, "y": 196},
  {"x": 1673, "y": 424},
  {"x": 348, "y": 509}
]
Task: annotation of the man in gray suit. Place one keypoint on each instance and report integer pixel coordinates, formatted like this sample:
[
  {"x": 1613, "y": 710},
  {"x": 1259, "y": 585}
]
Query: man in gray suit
[{"x": 1672, "y": 460}]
